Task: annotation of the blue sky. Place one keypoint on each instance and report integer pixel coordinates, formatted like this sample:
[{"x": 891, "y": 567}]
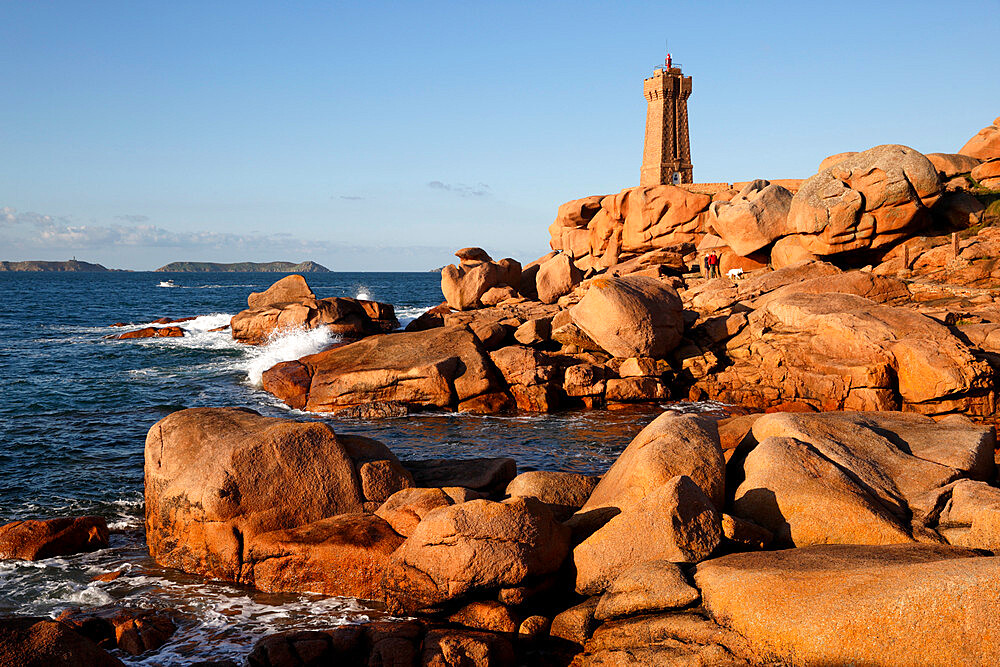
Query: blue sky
[{"x": 383, "y": 136}]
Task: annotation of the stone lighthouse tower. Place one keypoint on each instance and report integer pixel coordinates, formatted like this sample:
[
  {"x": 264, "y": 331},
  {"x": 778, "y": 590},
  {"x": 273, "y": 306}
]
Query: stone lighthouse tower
[{"x": 666, "y": 155}]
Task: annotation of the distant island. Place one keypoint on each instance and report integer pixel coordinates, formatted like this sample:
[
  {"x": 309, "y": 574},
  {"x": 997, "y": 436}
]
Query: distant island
[
  {"x": 70, "y": 265},
  {"x": 244, "y": 267}
]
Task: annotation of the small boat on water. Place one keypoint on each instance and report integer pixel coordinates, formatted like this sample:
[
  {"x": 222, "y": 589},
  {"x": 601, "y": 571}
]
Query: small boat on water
[{"x": 166, "y": 283}]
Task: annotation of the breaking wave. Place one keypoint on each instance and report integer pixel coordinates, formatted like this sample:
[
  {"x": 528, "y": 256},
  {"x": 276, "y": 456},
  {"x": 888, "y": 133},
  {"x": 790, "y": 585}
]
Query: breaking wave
[{"x": 285, "y": 345}]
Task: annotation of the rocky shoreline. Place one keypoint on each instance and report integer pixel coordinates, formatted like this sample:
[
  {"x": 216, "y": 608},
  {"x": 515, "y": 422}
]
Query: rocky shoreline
[{"x": 849, "y": 513}]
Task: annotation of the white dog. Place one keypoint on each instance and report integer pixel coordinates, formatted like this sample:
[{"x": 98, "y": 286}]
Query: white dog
[{"x": 734, "y": 274}]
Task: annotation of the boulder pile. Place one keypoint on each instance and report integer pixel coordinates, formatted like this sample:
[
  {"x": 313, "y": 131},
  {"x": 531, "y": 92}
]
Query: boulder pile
[
  {"x": 290, "y": 304},
  {"x": 866, "y": 286},
  {"x": 743, "y": 540}
]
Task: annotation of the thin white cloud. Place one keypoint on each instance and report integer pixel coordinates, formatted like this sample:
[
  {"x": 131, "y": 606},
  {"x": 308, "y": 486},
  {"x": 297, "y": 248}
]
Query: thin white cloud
[
  {"x": 461, "y": 189},
  {"x": 132, "y": 217},
  {"x": 33, "y": 230}
]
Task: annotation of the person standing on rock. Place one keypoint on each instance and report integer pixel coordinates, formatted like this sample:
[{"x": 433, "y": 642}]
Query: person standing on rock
[{"x": 713, "y": 265}]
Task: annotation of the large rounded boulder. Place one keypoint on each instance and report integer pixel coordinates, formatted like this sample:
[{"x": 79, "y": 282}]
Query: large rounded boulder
[
  {"x": 475, "y": 546},
  {"x": 633, "y": 316},
  {"x": 217, "y": 478},
  {"x": 869, "y": 200},
  {"x": 754, "y": 218}
]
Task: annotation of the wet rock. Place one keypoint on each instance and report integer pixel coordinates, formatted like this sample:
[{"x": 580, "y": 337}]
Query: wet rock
[
  {"x": 343, "y": 316},
  {"x": 27, "y": 641},
  {"x": 845, "y": 604},
  {"x": 675, "y": 522},
  {"x": 35, "y": 540},
  {"x": 430, "y": 319},
  {"x": 150, "y": 332}
]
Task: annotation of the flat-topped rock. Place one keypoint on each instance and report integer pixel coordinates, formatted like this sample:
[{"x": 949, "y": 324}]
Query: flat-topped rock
[
  {"x": 847, "y": 604},
  {"x": 437, "y": 368}
]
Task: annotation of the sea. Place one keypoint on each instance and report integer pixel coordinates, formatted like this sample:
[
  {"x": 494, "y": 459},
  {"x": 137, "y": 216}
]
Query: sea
[{"x": 76, "y": 407}]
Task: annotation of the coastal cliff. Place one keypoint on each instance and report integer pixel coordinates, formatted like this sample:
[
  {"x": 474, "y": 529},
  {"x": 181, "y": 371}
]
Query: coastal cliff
[
  {"x": 244, "y": 267},
  {"x": 36, "y": 265}
]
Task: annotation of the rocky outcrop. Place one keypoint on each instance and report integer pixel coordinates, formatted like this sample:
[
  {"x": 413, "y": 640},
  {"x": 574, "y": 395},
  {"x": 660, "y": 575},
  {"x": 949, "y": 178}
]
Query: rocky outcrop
[
  {"x": 842, "y": 351},
  {"x": 437, "y": 368},
  {"x": 150, "y": 332},
  {"x": 986, "y": 144},
  {"x": 556, "y": 277},
  {"x": 476, "y": 274},
  {"x": 562, "y": 492},
  {"x": 289, "y": 304},
  {"x": 35, "y": 540},
  {"x": 950, "y": 165},
  {"x": 856, "y": 478},
  {"x": 600, "y": 232},
  {"x": 403, "y": 643},
  {"x": 342, "y": 316},
  {"x": 866, "y": 201},
  {"x": 237, "y": 496},
  {"x": 131, "y": 631}
]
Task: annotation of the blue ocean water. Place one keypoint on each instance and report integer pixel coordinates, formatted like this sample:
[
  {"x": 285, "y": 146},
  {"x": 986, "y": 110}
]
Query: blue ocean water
[{"x": 76, "y": 408}]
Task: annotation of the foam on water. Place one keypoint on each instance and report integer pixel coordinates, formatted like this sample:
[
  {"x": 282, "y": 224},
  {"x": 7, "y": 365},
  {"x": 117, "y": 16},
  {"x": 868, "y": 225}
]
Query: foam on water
[
  {"x": 214, "y": 619},
  {"x": 285, "y": 345}
]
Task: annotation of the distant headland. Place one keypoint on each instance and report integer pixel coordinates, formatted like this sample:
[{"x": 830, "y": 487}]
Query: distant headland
[
  {"x": 70, "y": 265},
  {"x": 241, "y": 267}
]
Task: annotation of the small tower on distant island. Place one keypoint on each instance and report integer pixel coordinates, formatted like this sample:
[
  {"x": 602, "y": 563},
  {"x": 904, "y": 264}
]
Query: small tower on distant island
[{"x": 666, "y": 155}]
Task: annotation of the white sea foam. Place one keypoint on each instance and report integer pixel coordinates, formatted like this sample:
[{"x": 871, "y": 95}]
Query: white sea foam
[
  {"x": 285, "y": 345},
  {"x": 406, "y": 314}
]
